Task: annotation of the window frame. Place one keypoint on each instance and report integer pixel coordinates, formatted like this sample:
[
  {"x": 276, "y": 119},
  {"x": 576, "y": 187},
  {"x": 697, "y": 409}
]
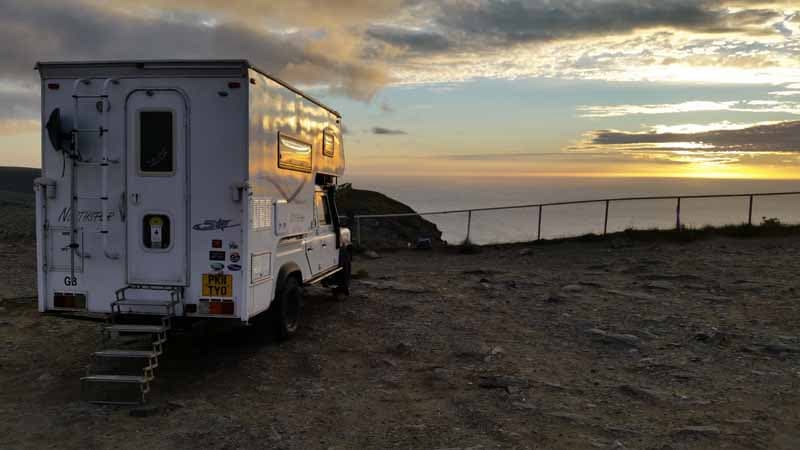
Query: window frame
[
  {"x": 295, "y": 167},
  {"x": 325, "y": 133},
  {"x": 145, "y": 173},
  {"x": 326, "y": 212}
]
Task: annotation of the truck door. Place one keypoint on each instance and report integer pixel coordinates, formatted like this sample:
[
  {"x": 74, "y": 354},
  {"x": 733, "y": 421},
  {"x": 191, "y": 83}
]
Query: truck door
[
  {"x": 156, "y": 188},
  {"x": 321, "y": 247}
]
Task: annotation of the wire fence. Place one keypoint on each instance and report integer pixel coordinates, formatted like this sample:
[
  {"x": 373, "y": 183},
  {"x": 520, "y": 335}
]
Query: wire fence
[{"x": 503, "y": 224}]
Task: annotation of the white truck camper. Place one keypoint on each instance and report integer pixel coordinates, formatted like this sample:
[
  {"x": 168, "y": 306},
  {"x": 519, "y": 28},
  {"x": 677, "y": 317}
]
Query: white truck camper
[{"x": 173, "y": 191}]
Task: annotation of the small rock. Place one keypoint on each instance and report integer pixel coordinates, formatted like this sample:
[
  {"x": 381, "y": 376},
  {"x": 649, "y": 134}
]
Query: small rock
[
  {"x": 567, "y": 416},
  {"x": 658, "y": 284},
  {"x": 389, "y": 362},
  {"x": 45, "y": 378},
  {"x": 777, "y": 348},
  {"x": 650, "y": 395},
  {"x": 572, "y": 288},
  {"x": 440, "y": 374},
  {"x": 525, "y": 252},
  {"x": 371, "y": 254},
  {"x": 402, "y": 348},
  {"x": 524, "y": 405},
  {"x": 628, "y": 340}
]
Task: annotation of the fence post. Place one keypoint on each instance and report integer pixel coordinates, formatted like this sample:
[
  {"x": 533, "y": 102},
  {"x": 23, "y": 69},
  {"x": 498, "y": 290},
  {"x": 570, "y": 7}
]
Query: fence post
[
  {"x": 750, "y": 211},
  {"x": 678, "y": 215},
  {"x": 539, "y": 228},
  {"x": 469, "y": 223},
  {"x": 605, "y": 221},
  {"x": 358, "y": 231}
]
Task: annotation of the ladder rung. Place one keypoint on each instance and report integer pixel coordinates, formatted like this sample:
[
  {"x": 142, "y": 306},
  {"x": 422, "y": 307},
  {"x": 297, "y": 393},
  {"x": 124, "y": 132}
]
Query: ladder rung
[
  {"x": 90, "y": 96},
  {"x": 137, "y": 328},
  {"x": 96, "y": 164},
  {"x": 90, "y": 197},
  {"x": 126, "y": 354},
  {"x": 116, "y": 379}
]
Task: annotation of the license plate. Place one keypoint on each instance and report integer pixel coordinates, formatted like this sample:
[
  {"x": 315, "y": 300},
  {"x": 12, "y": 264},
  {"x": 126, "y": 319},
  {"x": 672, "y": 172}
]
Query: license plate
[{"x": 217, "y": 285}]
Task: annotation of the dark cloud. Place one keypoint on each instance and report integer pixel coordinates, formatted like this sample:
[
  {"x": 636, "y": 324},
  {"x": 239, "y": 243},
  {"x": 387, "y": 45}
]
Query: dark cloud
[
  {"x": 504, "y": 22},
  {"x": 412, "y": 40},
  {"x": 778, "y": 137},
  {"x": 36, "y": 30},
  {"x": 19, "y": 104},
  {"x": 387, "y": 131}
]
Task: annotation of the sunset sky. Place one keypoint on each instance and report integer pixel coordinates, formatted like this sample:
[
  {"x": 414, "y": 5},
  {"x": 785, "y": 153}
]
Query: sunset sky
[{"x": 540, "y": 87}]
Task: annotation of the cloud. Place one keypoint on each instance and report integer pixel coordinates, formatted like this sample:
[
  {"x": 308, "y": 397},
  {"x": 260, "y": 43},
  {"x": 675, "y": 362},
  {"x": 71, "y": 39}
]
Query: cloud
[
  {"x": 784, "y": 93},
  {"x": 410, "y": 39},
  {"x": 504, "y": 22},
  {"x": 767, "y": 106},
  {"x": 773, "y": 137},
  {"x": 386, "y": 131},
  {"x": 75, "y": 30}
]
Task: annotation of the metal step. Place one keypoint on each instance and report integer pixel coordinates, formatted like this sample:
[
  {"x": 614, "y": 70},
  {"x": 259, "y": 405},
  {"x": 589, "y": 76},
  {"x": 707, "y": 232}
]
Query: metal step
[
  {"x": 116, "y": 379},
  {"x": 138, "y": 328},
  {"x": 140, "y": 302},
  {"x": 126, "y": 354}
]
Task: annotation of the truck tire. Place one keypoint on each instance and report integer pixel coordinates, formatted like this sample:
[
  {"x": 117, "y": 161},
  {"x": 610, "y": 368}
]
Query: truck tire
[
  {"x": 287, "y": 309},
  {"x": 342, "y": 280}
]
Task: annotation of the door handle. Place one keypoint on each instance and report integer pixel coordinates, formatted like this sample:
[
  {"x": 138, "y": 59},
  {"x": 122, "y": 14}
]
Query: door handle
[{"x": 135, "y": 198}]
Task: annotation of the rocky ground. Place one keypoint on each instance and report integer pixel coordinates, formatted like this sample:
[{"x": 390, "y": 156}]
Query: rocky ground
[{"x": 577, "y": 345}]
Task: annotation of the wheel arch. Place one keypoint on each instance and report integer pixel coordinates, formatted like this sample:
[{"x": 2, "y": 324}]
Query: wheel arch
[{"x": 288, "y": 269}]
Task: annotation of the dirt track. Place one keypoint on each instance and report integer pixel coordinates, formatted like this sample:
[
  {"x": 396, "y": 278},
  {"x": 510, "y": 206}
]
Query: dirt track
[{"x": 572, "y": 345}]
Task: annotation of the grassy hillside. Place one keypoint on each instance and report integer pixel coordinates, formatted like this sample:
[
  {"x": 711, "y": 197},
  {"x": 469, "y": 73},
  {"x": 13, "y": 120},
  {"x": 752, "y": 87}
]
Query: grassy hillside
[
  {"x": 17, "y": 215},
  {"x": 381, "y": 233},
  {"x": 18, "y": 179}
]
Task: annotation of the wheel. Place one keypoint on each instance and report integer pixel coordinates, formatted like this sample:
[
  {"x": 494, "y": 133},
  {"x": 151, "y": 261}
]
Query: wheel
[
  {"x": 287, "y": 309},
  {"x": 342, "y": 279}
]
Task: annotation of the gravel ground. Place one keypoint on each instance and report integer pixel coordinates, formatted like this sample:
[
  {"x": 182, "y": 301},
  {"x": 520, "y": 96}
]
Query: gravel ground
[{"x": 611, "y": 344}]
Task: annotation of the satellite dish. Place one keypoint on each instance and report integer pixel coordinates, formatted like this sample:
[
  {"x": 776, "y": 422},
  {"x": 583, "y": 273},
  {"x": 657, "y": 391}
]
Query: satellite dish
[{"x": 54, "y": 132}]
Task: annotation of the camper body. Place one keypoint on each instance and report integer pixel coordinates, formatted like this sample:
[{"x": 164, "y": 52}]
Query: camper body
[{"x": 209, "y": 181}]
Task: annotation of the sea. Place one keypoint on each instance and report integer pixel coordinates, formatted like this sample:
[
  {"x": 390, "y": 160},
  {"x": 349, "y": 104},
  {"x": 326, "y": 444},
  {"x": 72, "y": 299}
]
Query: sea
[{"x": 435, "y": 194}]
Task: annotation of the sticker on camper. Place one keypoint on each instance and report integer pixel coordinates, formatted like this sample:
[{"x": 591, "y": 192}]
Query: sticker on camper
[
  {"x": 214, "y": 224},
  {"x": 217, "y": 285},
  {"x": 234, "y": 267},
  {"x": 235, "y": 257}
]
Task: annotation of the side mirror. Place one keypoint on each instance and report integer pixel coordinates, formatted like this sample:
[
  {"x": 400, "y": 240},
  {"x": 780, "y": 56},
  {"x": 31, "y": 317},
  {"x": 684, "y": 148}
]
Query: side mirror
[{"x": 54, "y": 130}]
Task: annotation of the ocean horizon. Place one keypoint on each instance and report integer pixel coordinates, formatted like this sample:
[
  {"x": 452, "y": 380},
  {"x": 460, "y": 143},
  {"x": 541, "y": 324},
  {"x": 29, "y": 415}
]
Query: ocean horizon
[{"x": 427, "y": 194}]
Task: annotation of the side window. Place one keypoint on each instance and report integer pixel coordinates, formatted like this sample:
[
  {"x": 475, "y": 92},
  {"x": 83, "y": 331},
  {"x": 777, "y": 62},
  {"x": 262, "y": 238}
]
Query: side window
[
  {"x": 156, "y": 142},
  {"x": 321, "y": 207},
  {"x": 328, "y": 142},
  {"x": 293, "y": 154}
]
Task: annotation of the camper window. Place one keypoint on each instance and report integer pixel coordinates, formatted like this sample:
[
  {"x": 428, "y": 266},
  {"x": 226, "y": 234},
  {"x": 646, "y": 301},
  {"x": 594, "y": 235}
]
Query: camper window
[
  {"x": 156, "y": 142},
  {"x": 321, "y": 206},
  {"x": 293, "y": 154},
  {"x": 328, "y": 142}
]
